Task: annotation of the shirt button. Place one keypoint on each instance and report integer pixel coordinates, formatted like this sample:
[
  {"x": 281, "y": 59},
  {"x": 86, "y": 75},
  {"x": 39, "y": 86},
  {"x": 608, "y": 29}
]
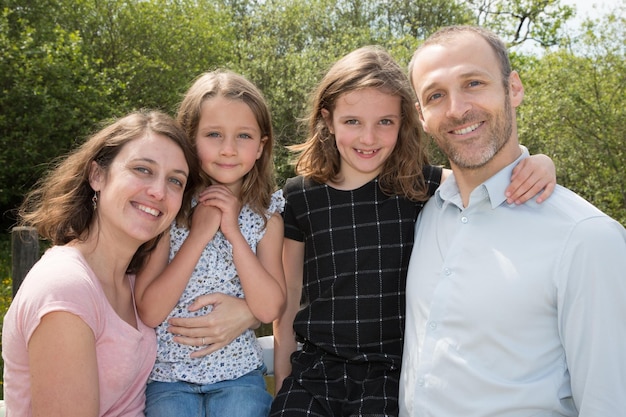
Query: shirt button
[
  {"x": 446, "y": 271},
  {"x": 432, "y": 325},
  {"x": 420, "y": 382},
  {"x": 464, "y": 219}
]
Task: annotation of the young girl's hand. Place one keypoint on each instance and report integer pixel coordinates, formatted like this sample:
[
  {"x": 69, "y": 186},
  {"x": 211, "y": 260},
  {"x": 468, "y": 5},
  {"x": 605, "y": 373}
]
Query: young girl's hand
[
  {"x": 531, "y": 176},
  {"x": 221, "y": 197},
  {"x": 205, "y": 221}
]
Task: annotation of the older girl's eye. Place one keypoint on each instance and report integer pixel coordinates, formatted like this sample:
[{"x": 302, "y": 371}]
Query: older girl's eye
[
  {"x": 386, "y": 122},
  {"x": 352, "y": 122}
]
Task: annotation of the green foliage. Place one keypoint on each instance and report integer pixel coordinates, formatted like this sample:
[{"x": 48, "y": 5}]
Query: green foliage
[
  {"x": 6, "y": 289},
  {"x": 68, "y": 64},
  {"x": 50, "y": 95},
  {"x": 575, "y": 113}
]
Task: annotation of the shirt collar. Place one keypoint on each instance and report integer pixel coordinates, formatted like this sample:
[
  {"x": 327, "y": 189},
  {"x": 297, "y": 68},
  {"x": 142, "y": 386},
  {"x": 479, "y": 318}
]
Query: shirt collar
[{"x": 493, "y": 188}]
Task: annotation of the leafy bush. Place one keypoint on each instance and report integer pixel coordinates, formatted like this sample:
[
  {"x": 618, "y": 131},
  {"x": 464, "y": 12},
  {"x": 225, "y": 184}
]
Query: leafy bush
[{"x": 5, "y": 287}]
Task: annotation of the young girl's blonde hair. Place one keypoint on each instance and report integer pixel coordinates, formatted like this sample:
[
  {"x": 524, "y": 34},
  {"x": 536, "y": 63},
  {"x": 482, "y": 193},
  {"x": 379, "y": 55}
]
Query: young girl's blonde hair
[
  {"x": 367, "y": 67},
  {"x": 258, "y": 184}
]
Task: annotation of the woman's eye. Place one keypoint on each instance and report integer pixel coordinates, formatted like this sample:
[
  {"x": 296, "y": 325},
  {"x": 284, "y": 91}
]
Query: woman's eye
[
  {"x": 177, "y": 182},
  {"x": 142, "y": 170}
]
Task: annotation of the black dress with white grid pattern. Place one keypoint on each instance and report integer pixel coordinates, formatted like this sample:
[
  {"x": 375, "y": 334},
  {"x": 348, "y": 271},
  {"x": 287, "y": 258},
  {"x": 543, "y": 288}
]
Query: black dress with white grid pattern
[{"x": 357, "y": 248}]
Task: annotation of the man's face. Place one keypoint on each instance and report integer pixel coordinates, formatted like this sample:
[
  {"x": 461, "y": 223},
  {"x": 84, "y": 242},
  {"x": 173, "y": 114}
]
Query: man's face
[{"x": 462, "y": 101}]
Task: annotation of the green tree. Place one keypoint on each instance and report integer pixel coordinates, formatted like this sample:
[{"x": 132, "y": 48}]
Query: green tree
[
  {"x": 50, "y": 97},
  {"x": 575, "y": 112}
]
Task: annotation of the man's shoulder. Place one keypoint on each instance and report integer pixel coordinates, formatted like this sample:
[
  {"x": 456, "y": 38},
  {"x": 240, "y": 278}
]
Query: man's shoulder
[{"x": 570, "y": 205}]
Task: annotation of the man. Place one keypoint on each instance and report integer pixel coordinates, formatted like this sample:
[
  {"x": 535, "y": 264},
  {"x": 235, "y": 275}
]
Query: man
[{"x": 511, "y": 311}]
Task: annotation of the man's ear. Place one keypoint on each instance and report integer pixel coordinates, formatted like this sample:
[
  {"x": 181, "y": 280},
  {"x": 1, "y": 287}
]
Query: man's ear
[
  {"x": 421, "y": 116},
  {"x": 516, "y": 89},
  {"x": 328, "y": 119}
]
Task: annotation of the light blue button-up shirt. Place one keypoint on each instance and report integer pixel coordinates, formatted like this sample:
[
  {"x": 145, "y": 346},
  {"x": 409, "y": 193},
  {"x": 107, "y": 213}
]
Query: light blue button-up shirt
[{"x": 514, "y": 310}]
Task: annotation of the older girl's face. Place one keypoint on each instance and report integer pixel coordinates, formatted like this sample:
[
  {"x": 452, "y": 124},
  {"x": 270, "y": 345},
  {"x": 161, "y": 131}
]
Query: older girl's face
[
  {"x": 366, "y": 124},
  {"x": 142, "y": 191}
]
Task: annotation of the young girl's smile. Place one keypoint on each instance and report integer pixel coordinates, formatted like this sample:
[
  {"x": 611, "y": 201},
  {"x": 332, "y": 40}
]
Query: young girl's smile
[
  {"x": 365, "y": 123},
  {"x": 228, "y": 140}
]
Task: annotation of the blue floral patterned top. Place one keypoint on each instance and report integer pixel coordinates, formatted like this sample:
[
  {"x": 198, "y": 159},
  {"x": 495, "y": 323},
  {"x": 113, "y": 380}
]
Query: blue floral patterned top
[{"x": 215, "y": 272}]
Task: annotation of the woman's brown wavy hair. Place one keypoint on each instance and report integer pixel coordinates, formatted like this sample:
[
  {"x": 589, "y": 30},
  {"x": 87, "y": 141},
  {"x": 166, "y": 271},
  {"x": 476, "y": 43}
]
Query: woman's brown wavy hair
[{"x": 60, "y": 206}]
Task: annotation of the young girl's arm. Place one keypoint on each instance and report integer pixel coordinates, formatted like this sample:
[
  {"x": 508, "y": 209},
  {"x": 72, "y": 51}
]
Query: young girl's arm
[
  {"x": 159, "y": 285},
  {"x": 261, "y": 274},
  {"x": 284, "y": 337}
]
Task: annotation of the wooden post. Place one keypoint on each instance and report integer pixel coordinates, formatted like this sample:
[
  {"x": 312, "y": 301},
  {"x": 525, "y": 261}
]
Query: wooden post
[{"x": 24, "y": 253}]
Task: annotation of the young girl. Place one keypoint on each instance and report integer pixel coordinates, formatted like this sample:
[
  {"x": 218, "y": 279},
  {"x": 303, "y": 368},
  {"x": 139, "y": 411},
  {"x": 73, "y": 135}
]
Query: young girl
[
  {"x": 349, "y": 220},
  {"x": 232, "y": 246}
]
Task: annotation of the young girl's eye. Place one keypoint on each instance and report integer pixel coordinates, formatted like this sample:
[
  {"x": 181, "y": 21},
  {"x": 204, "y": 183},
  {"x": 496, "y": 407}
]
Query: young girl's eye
[
  {"x": 245, "y": 136},
  {"x": 213, "y": 135},
  {"x": 352, "y": 122}
]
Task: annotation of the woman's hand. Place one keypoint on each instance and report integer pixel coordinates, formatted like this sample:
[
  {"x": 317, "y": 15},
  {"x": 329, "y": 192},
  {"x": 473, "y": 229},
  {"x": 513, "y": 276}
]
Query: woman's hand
[{"x": 229, "y": 318}]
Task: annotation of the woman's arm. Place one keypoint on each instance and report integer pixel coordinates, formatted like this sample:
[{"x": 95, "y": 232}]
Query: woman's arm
[
  {"x": 284, "y": 337},
  {"x": 63, "y": 368},
  {"x": 159, "y": 285},
  {"x": 228, "y": 319}
]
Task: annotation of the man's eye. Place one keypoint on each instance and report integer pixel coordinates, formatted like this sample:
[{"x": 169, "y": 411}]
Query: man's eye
[{"x": 435, "y": 96}]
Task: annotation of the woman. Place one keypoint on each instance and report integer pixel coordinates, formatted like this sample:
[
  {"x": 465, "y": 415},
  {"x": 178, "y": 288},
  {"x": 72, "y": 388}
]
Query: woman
[{"x": 73, "y": 344}]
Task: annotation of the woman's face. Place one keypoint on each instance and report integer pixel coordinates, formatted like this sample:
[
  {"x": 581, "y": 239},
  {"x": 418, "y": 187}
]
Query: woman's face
[{"x": 142, "y": 191}]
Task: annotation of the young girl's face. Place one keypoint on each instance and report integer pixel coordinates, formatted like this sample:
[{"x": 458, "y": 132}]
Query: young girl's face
[
  {"x": 228, "y": 141},
  {"x": 366, "y": 124}
]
